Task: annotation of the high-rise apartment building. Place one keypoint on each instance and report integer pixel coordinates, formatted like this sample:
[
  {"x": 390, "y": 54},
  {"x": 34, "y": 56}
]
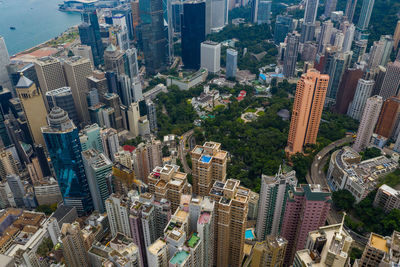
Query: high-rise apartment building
[
  {"x": 208, "y": 165},
  {"x": 157, "y": 254},
  {"x": 73, "y": 245},
  {"x": 325, "y": 36},
  {"x": 4, "y": 62},
  {"x": 77, "y": 69},
  {"x": 168, "y": 183},
  {"x": 231, "y": 206},
  {"x": 350, "y": 8},
  {"x": 62, "y": 98},
  {"x": 348, "y": 38},
  {"x": 396, "y": 36},
  {"x": 270, "y": 252},
  {"x": 231, "y": 62},
  {"x": 193, "y": 32},
  {"x": 347, "y": 89},
  {"x": 117, "y": 207},
  {"x": 368, "y": 121},
  {"x": 365, "y": 15},
  {"x": 375, "y": 55},
  {"x": 153, "y": 36},
  {"x": 64, "y": 148},
  {"x": 391, "y": 81},
  {"x": 50, "y": 74},
  {"x": 388, "y": 43},
  {"x": 290, "y": 59},
  {"x": 363, "y": 91},
  {"x": 272, "y": 203},
  {"x": 307, "y": 110},
  {"x": 328, "y": 246},
  {"x": 307, "y": 208},
  {"x": 359, "y": 48},
  {"x": 336, "y": 69},
  {"x": 8, "y": 165},
  {"x": 310, "y": 12},
  {"x": 388, "y": 117},
  {"x": 387, "y": 198},
  {"x": 34, "y": 108},
  {"x": 98, "y": 170},
  {"x": 151, "y": 114},
  {"x": 211, "y": 56}
]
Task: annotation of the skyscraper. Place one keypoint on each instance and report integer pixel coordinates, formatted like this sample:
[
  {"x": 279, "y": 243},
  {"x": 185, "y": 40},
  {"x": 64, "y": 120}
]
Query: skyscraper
[
  {"x": 363, "y": 91},
  {"x": 193, "y": 32},
  {"x": 77, "y": 69},
  {"x": 50, "y": 74},
  {"x": 157, "y": 254},
  {"x": 365, "y": 15},
  {"x": 211, "y": 56},
  {"x": 359, "y": 48},
  {"x": 33, "y": 106},
  {"x": 64, "y": 148},
  {"x": 89, "y": 33},
  {"x": 4, "y": 62},
  {"x": 391, "y": 81},
  {"x": 216, "y": 15},
  {"x": 151, "y": 114},
  {"x": 270, "y": 252},
  {"x": 254, "y": 11},
  {"x": 62, "y": 98},
  {"x": 98, "y": 170},
  {"x": 325, "y": 36},
  {"x": 307, "y": 32},
  {"x": 283, "y": 25},
  {"x": 388, "y": 42},
  {"x": 307, "y": 208},
  {"x": 231, "y": 206},
  {"x": 388, "y": 117},
  {"x": 330, "y": 6},
  {"x": 396, "y": 36},
  {"x": 307, "y": 110},
  {"x": 368, "y": 121},
  {"x": 350, "y": 8},
  {"x": 272, "y": 203},
  {"x": 231, "y": 63},
  {"x": 310, "y": 12},
  {"x": 117, "y": 208},
  {"x": 153, "y": 36},
  {"x": 375, "y": 55},
  {"x": 292, "y": 50},
  {"x": 264, "y": 12},
  {"x": 73, "y": 245},
  {"x": 336, "y": 70},
  {"x": 208, "y": 165},
  {"x": 347, "y": 89},
  {"x": 348, "y": 38},
  {"x": 89, "y": 138}
]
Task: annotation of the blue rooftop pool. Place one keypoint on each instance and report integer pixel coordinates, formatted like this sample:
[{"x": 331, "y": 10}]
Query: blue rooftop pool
[
  {"x": 205, "y": 159},
  {"x": 249, "y": 234}
]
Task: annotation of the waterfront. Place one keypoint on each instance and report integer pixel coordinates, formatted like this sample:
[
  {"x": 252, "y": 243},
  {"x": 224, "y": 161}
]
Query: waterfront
[{"x": 36, "y": 21}]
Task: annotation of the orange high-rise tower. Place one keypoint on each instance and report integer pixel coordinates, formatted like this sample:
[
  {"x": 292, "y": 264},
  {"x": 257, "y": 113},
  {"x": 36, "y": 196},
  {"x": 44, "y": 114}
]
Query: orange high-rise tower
[{"x": 307, "y": 111}]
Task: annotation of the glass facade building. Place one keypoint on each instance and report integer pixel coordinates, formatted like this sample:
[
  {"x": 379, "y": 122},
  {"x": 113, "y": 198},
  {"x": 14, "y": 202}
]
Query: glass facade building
[
  {"x": 283, "y": 25},
  {"x": 64, "y": 148},
  {"x": 89, "y": 33}
]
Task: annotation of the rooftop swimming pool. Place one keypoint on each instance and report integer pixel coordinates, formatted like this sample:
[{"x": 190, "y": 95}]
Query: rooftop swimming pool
[
  {"x": 205, "y": 159},
  {"x": 249, "y": 234}
]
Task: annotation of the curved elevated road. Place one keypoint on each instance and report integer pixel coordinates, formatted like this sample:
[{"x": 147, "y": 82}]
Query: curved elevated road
[{"x": 182, "y": 152}]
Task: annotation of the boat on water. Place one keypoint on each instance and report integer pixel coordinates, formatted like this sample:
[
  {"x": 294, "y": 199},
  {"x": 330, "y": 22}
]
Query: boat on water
[{"x": 12, "y": 28}]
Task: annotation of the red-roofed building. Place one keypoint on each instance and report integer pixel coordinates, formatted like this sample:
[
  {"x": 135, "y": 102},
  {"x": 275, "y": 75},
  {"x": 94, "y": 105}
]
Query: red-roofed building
[
  {"x": 129, "y": 148},
  {"x": 241, "y": 95}
]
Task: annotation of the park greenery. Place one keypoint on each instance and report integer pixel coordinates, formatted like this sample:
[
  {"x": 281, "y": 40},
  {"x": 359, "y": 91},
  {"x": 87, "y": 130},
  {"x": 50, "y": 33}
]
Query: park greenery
[
  {"x": 370, "y": 152},
  {"x": 343, "y": 200},
  {"x": 47, "y": 209},
  {"x": 45, "y": 247}
]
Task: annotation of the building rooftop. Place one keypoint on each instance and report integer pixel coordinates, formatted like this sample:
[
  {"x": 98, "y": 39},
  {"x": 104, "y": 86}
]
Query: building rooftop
[
  {"x": 204, "y": 217},
  {"x": 193, "y": 240},
  {"x": 378, "y": 242},
  {"x": 158, "y": 245}
]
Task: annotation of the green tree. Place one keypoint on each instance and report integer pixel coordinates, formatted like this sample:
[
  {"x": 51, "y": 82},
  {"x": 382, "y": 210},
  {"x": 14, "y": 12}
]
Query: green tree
[
  {"x": 343, "y": 200},
  {"x": 370, "y": 152}
]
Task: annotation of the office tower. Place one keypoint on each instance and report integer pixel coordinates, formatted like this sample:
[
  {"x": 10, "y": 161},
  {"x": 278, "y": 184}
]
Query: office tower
[
  {"x": 336, "y": 70},
  {"x": 210, "y": 56},
  {"x": 270, "y": 252},
  {"x": 4, "y": 62},
  {"x": 131, "y": 56},
  {"x": 76, "y": 71},
  {"x": 264, "y": 12},
  {"x": 396, "y": 36},
  {"x": 231, "y": 205},
  {"x": 208, "y": 165},
  {"x": 193, "y": 33},
  {"x": 50, "y": 74},
  {"x": 114, "y": 60},
  {"x": 254, "y": 11},
  {"x": 98, "y": 170},
  {"x": 127, "y": 15},
  {"x": 330, "y": 6},
  {"x": 89, "y": 33},
  {"x": 363, "y": 91},
  {"x": 328, "y": 246},
  {"x": 368, "y": 121},
  {"x": 388, "y": 117},
  {"x": 73, "y": 245},
  {"x": 347, "y": 89},
  {"x": 307, "y": 32},
  {"x": 64, "y": 148},
  {"x": 310, "y": 12},
  {"x": 17, "y": 189},
  {"x": 292, "y": 50},
  {"x": 117, "y": 208},
  {"x": 365, "y": 15},
  {"x": 40, "y": 154},
  {"x": 283, "y": 25},
  {"x": 272, "y": 203},
  {"x": 325, "y": 36},
  {"x": 359, "y": 48},
  {"x": 216, "y": 15},
  {"x": 89, "y": 137},
  {"x": 231, "y": 63},
  {"x": 8, "y": 165},
  {"x": 168, "y": 183},
  {"x": 133, "y": 118},
  {"x": 375, "y": 55},
  {"x": 391, "y": 81},
  {"x": 350, "y": 8},
  {"x": 137, "y": 93},
  {"x": 83, "y": 51},
  {"x": 110, "y": 142},
  {"x": 47, "y": 191},
  {"x": 98, "y": 81},
  {"x": 348, "y": 38},
  {"x": 33, "y": 106},
  {"x": 62, "y": 98},
  {"x": 152, "y": 115},
  {"x": 152, "y": 35},
  {"x": 307, "y": 110},
  {"x": 307, "y": 208},
  {"x": 157, "y": 254},
  {"x": 388, "y": 42}
]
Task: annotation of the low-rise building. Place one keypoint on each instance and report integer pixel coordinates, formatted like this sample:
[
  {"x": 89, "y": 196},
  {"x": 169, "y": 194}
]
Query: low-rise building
[
  {"x": 387, "y": 198},
  {"x": 347, "y": 171},
  {"x": 185, "y": 83}
]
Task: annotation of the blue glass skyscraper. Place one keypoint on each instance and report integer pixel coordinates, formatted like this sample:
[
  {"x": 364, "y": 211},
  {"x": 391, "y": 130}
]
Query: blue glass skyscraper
[
  {"x": 89, "y": 33},
  {"x": 283, "y": 25},
  {"x": 62, "y": 142}
]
